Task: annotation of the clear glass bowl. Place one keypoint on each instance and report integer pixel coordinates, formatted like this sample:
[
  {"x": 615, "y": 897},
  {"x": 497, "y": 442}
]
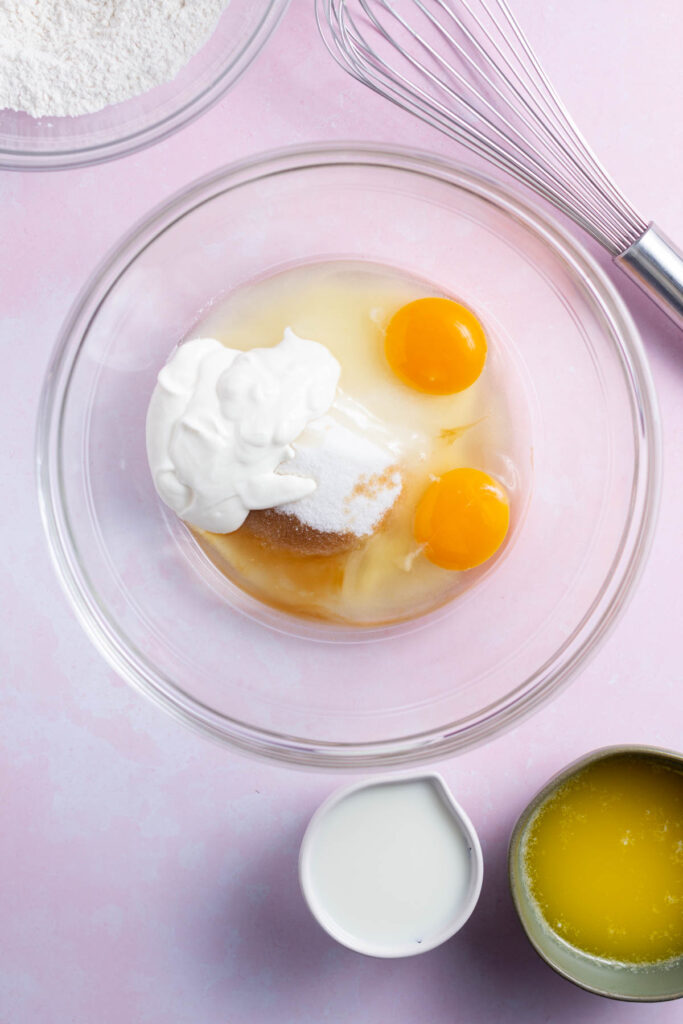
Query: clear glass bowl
[
  {"x": 500, "y": 649},
  {"x": 50, "y": 143}
]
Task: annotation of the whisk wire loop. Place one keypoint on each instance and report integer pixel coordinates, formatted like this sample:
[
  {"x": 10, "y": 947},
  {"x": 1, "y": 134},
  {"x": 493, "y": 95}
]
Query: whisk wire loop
[
  {"x": 466, "y": 68},
  {"x": 508, "y": 134}
]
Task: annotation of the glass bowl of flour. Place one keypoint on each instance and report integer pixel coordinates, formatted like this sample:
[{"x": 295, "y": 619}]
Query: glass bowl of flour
[{"x": 83, "y": 83}]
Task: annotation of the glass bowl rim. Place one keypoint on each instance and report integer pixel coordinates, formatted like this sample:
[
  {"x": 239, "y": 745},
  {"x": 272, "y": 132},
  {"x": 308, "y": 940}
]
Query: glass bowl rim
[
  {"x": 89, "y": 154},
  {"x": 436, "y": 743}
]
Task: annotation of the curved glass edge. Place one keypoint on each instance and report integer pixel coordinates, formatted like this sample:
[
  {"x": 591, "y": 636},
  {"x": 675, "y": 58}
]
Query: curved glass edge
[
  {"x": 448, "y": 740},
  {"x": 90, "y": 155}
]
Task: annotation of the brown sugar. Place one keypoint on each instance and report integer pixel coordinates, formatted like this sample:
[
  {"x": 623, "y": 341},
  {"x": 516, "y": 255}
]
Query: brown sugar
[
  {"x": 371, "y": 486},
  {"x": 280, "y": 530}
]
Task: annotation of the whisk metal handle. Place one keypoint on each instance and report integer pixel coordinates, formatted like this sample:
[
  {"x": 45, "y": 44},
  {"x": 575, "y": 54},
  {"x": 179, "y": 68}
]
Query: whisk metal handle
[{"x": 656, "y": 264}]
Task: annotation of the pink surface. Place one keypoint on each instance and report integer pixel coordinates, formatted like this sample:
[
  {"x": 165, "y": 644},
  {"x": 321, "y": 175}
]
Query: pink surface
[{"x": 150, "y": 876}]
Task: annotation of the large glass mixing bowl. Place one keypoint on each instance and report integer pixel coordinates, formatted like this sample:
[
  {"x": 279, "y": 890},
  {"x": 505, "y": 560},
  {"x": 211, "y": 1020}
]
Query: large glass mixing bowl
[
  {"x": 50, "y": 143},
  {"x": 295, "y": 695}
]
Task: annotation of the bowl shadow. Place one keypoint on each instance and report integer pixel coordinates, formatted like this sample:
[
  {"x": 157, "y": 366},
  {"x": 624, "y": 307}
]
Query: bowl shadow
[{"x": 260, "y": 951}]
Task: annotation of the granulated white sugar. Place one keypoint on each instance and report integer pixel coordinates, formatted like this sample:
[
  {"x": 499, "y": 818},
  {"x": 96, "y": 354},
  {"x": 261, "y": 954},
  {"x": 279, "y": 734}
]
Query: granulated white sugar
[
  {"x": 357, "y": 480},
  {"x": 70, "y": 57}
]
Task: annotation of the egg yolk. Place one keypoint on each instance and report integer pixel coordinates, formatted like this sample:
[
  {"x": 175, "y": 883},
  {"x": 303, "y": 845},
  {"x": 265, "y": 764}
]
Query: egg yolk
[
  {"x": 462, "y": 519},
  {"x": 436, "y": 346}
]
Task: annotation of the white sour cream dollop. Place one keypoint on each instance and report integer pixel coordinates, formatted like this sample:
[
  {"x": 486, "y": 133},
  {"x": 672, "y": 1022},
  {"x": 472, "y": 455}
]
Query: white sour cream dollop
[{"x": 220, "y": 422}]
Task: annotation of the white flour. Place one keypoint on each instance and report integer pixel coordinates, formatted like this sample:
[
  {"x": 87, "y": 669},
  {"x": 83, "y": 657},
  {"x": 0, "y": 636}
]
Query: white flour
[{"x": 60, "y": 57}]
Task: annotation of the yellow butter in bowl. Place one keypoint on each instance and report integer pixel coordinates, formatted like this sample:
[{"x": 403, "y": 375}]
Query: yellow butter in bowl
[{"x": 603, "y": 858}]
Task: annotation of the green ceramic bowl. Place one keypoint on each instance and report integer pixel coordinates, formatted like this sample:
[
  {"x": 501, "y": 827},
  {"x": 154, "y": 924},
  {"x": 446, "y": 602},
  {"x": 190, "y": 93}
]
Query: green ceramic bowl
[{"x": 647, "y": 984}]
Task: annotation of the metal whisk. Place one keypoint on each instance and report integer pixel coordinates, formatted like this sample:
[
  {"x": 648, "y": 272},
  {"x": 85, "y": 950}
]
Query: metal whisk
[{"x": 466, "y": 68}]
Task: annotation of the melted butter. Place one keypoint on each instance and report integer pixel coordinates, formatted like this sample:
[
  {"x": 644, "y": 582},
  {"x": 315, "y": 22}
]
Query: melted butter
[{"x": 604, "y": 859}]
